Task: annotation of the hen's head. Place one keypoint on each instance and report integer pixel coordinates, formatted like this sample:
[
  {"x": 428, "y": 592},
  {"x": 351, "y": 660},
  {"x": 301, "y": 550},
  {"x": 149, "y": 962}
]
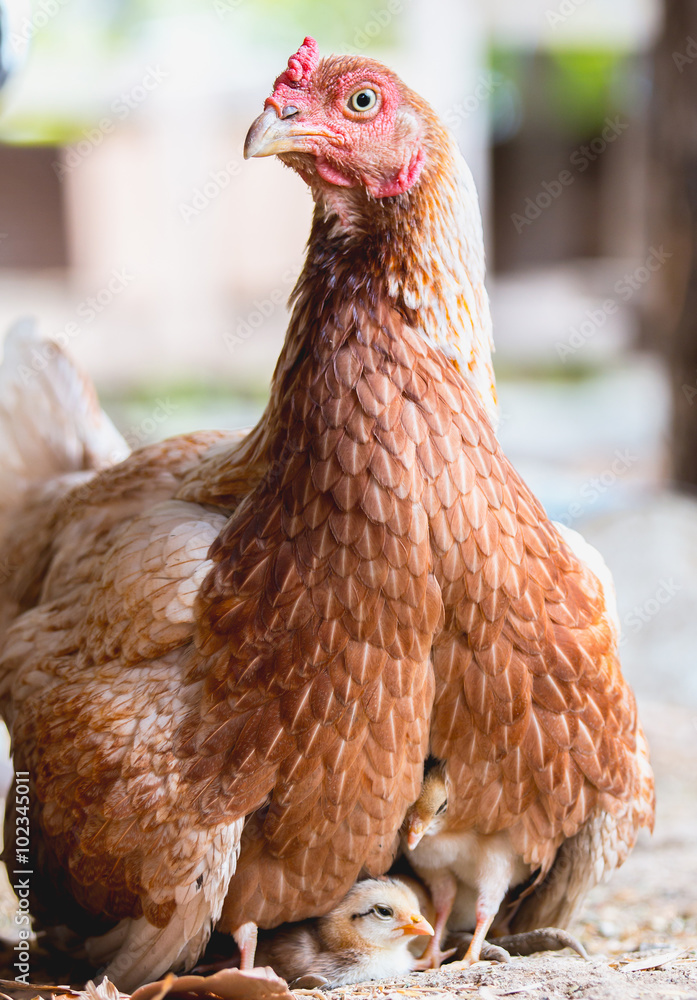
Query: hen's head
[
  {"x": 344, "y": 122},
  {"x": 388, "y": 181}
]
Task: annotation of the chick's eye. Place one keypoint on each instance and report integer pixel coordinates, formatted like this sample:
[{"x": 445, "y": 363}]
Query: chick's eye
[
  {"x": 384, "y": 912},
  {"x": 441, "y": 808},
  {"x": 363, "y": 100}
]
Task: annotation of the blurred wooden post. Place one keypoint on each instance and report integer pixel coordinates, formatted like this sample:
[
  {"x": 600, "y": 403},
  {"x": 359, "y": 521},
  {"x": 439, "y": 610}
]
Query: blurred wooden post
[{"x": 672, "y": 318}]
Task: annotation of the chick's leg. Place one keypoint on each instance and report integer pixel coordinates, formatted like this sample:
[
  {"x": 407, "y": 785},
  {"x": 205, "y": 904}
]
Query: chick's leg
[
  {"x": 485, "y": 919},
  {"x": 493, "y": 880},
  {"x": 246, "y": 939},
  {"x": 443, "y": 891}
]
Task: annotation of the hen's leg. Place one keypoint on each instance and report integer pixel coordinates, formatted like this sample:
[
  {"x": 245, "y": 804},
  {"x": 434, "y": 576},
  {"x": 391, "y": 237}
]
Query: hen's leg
[
  {"x": 246, "y": 939},
  {"x": 443, "y": 891}
]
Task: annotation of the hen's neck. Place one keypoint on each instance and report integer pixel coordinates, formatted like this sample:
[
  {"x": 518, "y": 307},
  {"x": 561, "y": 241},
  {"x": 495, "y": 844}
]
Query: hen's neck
[
  {"x": 444, "y": 284},
  {"x": 421, "y": 254}
]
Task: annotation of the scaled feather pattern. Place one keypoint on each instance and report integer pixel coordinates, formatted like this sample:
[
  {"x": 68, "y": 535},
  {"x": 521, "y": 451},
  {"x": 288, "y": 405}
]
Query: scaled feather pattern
[{"x": 225, "y": 658}]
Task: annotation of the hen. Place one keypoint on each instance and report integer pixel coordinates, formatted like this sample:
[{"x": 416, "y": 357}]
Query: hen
[{"x": 222, "y": 657}]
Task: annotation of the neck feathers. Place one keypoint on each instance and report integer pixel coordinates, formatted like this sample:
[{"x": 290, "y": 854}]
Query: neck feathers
[
  {"x": 421, "y": 254},
  {"x": 444, "y": 286}
]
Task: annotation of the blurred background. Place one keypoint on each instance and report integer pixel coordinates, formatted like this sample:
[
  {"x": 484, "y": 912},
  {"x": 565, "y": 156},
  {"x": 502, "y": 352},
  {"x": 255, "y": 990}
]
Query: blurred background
[{"x": 133, "y": 229}]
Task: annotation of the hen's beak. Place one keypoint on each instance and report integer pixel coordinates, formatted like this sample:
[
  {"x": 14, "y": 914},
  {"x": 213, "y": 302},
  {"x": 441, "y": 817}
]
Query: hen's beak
[
  {"x": 414, "y": 834},
  {"x": 275, "y": 132},
  {"x": 417, "y": 925}
]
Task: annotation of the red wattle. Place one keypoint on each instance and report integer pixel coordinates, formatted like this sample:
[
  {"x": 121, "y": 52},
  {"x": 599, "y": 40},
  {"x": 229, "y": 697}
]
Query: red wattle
[
  {"x": 332, "y": 175},
  {"x": 406, "y": 178}
]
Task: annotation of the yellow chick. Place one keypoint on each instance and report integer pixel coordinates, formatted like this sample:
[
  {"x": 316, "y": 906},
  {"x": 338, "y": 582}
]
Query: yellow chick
[
  {"x": 468, "y": 874},
  {"x": 366, "y": 936}
]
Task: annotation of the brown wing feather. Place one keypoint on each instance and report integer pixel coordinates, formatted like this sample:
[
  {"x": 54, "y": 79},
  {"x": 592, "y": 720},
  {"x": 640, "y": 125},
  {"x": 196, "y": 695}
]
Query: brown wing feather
[
  {"x": 115, "y": 827},
  {"x": 325, "y": 610},
  {"x": 532, "y": 713}
]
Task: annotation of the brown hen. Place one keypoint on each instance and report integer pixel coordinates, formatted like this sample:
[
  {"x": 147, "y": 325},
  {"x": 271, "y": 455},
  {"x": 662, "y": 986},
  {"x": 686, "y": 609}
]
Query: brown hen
[{"x": 223, "y": 645}]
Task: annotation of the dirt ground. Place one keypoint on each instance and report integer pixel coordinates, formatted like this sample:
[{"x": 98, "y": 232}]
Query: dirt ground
[{"x": 645, "y": 916}]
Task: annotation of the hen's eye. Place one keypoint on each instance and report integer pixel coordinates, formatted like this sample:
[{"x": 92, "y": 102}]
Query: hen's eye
[
  {"x": 363, "y": 100},
  {"x": 384, "y": 912}
]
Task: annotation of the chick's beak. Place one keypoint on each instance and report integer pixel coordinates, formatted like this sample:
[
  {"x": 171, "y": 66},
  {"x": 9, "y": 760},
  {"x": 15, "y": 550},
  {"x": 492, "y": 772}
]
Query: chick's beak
[
  {"x": 417, "y": 925},
  {"x": 414, "y": 834},
  {"x": 282, "y": 131}
]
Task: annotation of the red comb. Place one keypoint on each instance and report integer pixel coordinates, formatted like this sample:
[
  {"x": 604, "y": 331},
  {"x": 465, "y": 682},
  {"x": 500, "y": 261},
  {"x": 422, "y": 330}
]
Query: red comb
[{"x": 301, "y": 65}]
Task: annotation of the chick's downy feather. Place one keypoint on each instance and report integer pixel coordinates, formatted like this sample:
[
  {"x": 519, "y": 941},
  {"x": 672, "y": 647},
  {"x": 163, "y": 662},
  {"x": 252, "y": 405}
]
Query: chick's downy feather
[{"x": 366, "y": 936}]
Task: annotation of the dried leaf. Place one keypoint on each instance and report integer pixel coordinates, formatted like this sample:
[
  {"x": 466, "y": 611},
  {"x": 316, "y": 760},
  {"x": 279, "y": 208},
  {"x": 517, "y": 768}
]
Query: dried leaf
[
  {"x": 228, "y": 984},
  {"x": 654, "y": 962}
]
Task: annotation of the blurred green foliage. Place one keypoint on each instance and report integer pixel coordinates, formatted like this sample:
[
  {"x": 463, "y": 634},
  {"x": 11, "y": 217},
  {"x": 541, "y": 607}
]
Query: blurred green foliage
[
  {"x": 586, "y": 86},
  {"x": 570, "y": 90},
  {"x": 88, "y": 40}
]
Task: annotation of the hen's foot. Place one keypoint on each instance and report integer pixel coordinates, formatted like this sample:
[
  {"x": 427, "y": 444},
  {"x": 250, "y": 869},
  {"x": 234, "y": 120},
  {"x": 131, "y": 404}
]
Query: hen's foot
[
  {"x": 542, "y": 939},
  {"x": 489, "y": 952}
]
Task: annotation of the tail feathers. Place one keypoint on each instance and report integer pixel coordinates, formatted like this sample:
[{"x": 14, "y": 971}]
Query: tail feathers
[
  {"x": 50, "y": 419},
  {"x": 582, "y": 861}
]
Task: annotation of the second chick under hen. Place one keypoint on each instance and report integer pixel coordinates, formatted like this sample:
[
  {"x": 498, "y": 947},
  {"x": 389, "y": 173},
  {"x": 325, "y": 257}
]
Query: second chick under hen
[
  {"x": 467, "y": 873},
  {"x": 366, "y": 936}
]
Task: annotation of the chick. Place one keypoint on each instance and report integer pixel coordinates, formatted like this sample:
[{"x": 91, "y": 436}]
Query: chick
[
  {"x": 366, "y": 936},
  {"x": 468, "y": 874}
]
